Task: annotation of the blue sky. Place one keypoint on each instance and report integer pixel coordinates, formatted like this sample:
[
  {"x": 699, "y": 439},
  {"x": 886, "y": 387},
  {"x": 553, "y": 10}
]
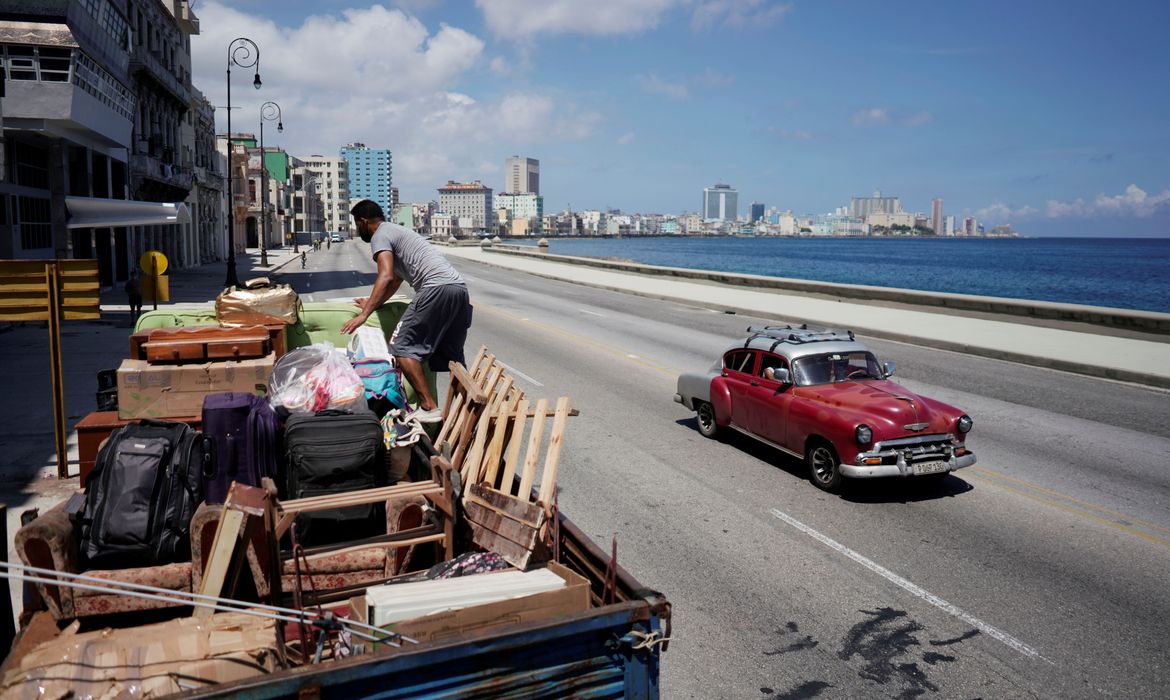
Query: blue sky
[{"x": 1050, "y": 116}]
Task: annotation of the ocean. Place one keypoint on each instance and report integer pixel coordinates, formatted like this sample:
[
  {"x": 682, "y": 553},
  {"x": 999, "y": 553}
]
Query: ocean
[{"x": 1126, "y": 273}]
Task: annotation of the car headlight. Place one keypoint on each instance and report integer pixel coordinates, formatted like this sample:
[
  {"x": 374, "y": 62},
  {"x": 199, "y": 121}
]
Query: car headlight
[
  {"x": 965, "y": 423},
  {"x": 863, "y": 435}
]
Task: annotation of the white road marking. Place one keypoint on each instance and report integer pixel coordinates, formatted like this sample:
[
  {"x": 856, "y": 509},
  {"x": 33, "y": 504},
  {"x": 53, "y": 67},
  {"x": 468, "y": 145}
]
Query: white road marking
[
  {"x": 631, "y": 355},
  {"x": 591, "y": 313},
  {"x": 520, "y": 374},
  {"x": 914, "y": 589}
]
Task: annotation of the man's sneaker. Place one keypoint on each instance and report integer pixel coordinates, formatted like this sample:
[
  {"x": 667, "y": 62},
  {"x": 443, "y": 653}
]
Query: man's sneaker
[{"x": 435, "y": 415}]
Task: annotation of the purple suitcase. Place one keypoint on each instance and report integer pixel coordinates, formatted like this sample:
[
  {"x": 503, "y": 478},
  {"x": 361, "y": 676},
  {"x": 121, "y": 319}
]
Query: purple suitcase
[{"x": 247, "y": 437}]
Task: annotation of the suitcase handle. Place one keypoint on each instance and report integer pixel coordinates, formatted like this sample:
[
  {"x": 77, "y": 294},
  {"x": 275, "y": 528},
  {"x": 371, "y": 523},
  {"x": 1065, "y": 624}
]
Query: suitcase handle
[{"x": 333, "y": 412}]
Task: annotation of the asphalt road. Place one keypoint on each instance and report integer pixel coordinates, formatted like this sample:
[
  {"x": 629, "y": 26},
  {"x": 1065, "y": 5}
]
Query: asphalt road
[{"x": 1040, "y": 572}]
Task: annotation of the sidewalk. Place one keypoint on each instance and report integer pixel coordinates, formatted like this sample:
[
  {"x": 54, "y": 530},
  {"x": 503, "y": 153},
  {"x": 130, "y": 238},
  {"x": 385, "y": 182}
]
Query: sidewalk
[
  {"x": 1080, "y": 351},
  {"x": 28, "y": 460}
]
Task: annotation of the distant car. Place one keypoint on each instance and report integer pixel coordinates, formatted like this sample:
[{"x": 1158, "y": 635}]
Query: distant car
[
  {"x": 336, "y": 238},
  {"x": 822, "y": 396}
]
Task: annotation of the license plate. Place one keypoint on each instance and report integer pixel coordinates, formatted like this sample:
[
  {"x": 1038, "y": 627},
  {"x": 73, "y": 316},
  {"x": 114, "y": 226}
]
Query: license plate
[{"x": 929, "y": 467}]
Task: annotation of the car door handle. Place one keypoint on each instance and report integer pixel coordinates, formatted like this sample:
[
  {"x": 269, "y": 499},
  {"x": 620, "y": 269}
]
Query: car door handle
[{"x": 755, "y": 383}]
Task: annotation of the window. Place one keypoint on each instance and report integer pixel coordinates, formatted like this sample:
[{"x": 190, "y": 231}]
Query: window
[
  {"x": 36, "y": 228},
  {"x": 739, "y": 361},
  {"x": 832, "y": 368}
]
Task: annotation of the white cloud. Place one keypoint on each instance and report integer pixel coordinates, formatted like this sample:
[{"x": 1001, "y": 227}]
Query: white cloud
[
  {"x": 737, "y": 14},
  {"x": 626, "y": 138},
  {"x": 878, "y": 116},
  {"x": 522, "y": 18},
  {"x": 664, "y": 88},
  {"x": 1000, "y": 212},
  {"x": 402, "y": 94},
  {"x": 1134, "y": 201}
]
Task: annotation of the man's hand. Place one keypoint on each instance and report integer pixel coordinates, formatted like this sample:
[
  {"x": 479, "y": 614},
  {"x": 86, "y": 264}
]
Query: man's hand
[
  {"x": 359, "y": 302},
  {"x": 353, "y": 324}
]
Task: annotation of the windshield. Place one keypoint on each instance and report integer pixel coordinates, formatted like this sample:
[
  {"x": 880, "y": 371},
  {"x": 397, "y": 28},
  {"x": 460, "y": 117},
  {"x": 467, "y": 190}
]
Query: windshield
[{"x": 831, "y": 368}]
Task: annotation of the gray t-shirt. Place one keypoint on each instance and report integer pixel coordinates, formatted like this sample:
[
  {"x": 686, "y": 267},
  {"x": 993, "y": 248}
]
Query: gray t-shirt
[{"x": 415, "y": 261}]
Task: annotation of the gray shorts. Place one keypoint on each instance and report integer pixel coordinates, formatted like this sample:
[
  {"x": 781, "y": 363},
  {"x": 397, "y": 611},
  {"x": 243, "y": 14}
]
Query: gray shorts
[{"x": 434, "y": 327}]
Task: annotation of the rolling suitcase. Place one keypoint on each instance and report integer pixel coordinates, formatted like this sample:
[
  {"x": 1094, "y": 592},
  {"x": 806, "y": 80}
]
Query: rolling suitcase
[
  {"x": 247, "y": 435},
  {"x": 335, "y": 452}
]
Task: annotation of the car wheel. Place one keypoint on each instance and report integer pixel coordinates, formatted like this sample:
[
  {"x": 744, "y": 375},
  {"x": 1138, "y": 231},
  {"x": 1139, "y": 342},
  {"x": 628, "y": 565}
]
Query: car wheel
[
  {"x": 707, "y": 426},
  {"x": 823, "y": 467}
]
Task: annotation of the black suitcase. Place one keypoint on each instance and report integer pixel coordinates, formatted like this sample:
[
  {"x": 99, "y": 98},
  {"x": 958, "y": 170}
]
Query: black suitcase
[
  {"x": 335, "y": 452},
  {"x": 146, "y": 483}
]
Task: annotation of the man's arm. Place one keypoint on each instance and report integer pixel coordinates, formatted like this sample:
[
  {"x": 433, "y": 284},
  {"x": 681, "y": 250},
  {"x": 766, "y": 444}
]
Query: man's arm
[{"x": 384, "y": 287}]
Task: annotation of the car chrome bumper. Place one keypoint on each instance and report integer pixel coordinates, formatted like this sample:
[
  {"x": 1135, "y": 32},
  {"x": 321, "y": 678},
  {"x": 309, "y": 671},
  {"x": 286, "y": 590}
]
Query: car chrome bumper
[
  {"x": 902, "y": 468},
  {"x": 678, "y": 398}
]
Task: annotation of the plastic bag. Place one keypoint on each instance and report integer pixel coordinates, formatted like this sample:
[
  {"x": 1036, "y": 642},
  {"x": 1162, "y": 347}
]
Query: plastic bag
[{"x": 316, "y": 378}]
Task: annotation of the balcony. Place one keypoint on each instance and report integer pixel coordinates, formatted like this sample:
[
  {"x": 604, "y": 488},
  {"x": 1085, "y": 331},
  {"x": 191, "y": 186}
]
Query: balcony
[
  {"x": 147, "y": 167},
  {"x": 146, "y": 63}
]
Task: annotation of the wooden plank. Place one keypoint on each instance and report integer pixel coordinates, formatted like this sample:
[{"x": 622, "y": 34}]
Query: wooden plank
[
  {"x": 485, "y": 365},
  {"x": 514, "y": 554},
  {"x": 514, "y": 442},
  {"x": 473, "y": 464},
  {"x": 535, "y": 436},
  {"x": 451, "y": 410},
  {"x": 552, "y": 460},
  {"x": 491, "y": 462},
  {"x": 499, "y": 523},
  {"x": 468, "y": 383},
  {"x": 516, "y": 508},
  {"x": 338, "y": 500},
  {"x": 223, "y": 548},
  {"x": 437, "y": 537}
]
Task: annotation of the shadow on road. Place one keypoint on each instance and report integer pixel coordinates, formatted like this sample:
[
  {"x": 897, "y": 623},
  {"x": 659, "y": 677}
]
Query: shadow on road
[{"x": 891, "y": 490}]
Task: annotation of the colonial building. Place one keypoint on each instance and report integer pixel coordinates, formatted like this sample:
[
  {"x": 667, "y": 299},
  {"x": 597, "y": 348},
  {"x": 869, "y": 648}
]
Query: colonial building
[
  {"x": 332, "y": 175},
  {"x": 470, "y": 206}
]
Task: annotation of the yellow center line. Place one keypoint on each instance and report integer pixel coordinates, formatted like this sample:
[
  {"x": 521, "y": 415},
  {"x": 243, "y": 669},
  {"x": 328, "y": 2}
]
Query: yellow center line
[
  {"x": 580, "y": 339},
  {"x": 991, "y": 474},
  {"x": 1074, "y": 511}
]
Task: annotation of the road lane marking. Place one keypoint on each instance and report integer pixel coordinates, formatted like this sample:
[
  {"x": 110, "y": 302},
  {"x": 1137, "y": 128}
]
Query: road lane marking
[
  {"x": 579, "y": 339},
  {"x": 914, "y": 589},
  {"x": 1075, "y": 511},
  {"x": 1122, "y": 518},
  {"x": 592, "y": 313},
  {"x": 520, "y": 374}
]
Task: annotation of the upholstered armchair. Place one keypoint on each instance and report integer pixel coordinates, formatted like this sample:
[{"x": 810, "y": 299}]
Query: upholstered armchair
[{"x": 53, "y": 541}]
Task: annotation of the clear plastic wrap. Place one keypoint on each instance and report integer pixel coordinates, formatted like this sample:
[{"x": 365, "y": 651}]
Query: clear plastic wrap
[{"x": 316, "y": 378}]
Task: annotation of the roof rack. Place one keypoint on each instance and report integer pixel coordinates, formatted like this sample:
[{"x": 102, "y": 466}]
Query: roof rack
[{"x": 797, "y": 335}]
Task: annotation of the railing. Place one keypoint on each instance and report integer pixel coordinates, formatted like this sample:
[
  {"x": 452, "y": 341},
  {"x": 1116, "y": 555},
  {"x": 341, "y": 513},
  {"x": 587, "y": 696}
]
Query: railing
[
  {"x": 143, "y": 59},
  {"x": 155, "y": 169}
]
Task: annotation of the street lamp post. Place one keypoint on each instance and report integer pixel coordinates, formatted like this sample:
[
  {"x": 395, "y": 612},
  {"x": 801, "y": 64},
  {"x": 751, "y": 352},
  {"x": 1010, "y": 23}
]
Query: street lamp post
[
  {"x": 244, "y": 53},
  {"x": 269, "y": 111}
]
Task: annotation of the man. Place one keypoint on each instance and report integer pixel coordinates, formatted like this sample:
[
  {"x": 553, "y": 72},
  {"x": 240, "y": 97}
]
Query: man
[
  {"x": 434, "y": 327},
  {"x": 134, "y": 295}
]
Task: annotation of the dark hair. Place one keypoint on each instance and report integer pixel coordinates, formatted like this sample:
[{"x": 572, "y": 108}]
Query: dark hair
[{"x": 367, "y": 209}]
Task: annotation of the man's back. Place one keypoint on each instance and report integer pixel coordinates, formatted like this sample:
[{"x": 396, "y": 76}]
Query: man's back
[{"x": 415, "y": 261}]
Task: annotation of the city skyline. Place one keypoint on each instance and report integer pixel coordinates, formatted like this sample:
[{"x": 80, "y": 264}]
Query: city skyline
[{"x": 1044, "y": 121}]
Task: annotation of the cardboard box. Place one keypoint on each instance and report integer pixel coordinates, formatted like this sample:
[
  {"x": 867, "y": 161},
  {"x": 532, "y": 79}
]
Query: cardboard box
[
  {"x": 441, "y": 626},
  {"x": 149, "y": 661},
  {"x": 165, "y": 391}
]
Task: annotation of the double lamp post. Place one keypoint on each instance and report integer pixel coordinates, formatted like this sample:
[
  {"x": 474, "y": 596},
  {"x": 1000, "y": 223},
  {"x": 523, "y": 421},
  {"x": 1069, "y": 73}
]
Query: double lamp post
[{"x": 244, "y": 52}]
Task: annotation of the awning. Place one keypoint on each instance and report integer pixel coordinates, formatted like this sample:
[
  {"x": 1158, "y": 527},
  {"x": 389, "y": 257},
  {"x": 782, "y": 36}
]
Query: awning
[{"x": 91, "y": 212}]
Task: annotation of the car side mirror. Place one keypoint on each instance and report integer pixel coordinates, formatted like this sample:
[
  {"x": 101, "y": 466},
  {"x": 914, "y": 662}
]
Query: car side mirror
[
  {"x": 782, "y": 375},
  {"x": 888, "y": 368}
]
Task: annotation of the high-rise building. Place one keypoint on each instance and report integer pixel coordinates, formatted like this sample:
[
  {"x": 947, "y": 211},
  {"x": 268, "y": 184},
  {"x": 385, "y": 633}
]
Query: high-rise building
[
  {"x": 936, "y": 216},
  {"x": 332, "y": 184},
  {"x": 861, "y": 207},
  {"x": 970, "y": 226},
  {"x": 522, "y": 175},
  {"x": 370, "y": 174},
  {"x": 720, "y": 203},
  {"x": 469, "y": 204},
  {"x": 757, "y": 211}
]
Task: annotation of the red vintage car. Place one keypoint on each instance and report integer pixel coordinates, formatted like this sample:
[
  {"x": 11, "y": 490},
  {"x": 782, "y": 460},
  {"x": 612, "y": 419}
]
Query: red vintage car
[{"x": 822, "y": 396}]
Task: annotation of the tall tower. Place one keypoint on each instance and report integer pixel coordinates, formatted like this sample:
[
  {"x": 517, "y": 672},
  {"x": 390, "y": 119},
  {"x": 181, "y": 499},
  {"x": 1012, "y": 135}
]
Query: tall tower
[
  {"x": 720, "y": 203},
  {"x": 522, "y": 175},
  {"x": 370, "y": 174},
  {"x": 936, "y": 216}
]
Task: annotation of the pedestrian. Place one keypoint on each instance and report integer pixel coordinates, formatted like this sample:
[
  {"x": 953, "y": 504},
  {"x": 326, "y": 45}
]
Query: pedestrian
[
  {"x": 435, "y": 324},
  {"x": 303, "y": 259},
  {"x": 134, "y": 296}
]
